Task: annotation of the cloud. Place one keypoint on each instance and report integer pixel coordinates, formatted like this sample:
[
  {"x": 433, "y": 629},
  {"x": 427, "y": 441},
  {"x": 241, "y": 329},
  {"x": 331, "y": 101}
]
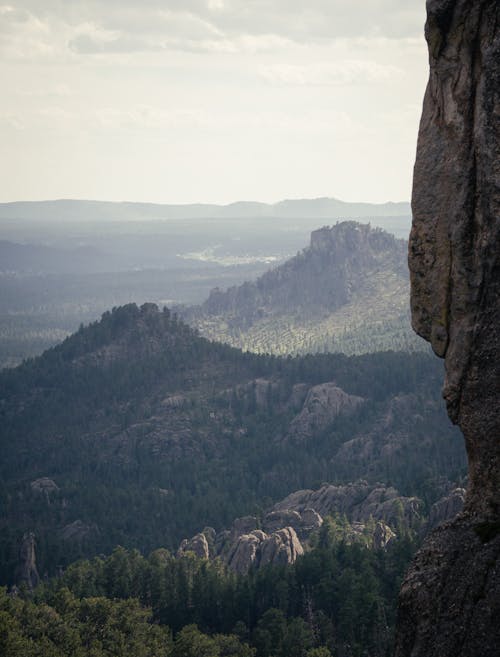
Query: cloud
[
  {"x": 330, "y": 73},
  {"x": 88, "y": 44},
  {"x": 11, "y": 121},
  {"x": 205, "y": 25},
  {"x": 148, "y": 117}
]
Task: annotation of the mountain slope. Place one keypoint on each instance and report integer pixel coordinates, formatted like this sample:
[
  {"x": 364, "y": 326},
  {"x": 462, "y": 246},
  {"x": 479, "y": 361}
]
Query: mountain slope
[
  {"x": 348, "y": 291},
  {"x": 136, "y": 431}
]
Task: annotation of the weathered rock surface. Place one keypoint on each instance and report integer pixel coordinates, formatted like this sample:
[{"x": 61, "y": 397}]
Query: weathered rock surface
[
  {"x": 298, "y": 396},
  {"x": 454, "y": 253},
  {"x": 245, "y": 553},
  {"x": 450, "y": 599},
  {"x": 198, "y": 544},
  {"x": 359, "y": 501},
  {"x": 303, "y": 523},
  {"x": 446, "y": 508},
  {"x": 281, "y": 547},
  {"x": 323, "y": 404},
  {"x": 382, "y": 536},
  {"x": 372, "y": 514},
  {"x": 277, "y": 519},
  {"x": 260, "y": 549},
  {"x": 27, "y": 573}
]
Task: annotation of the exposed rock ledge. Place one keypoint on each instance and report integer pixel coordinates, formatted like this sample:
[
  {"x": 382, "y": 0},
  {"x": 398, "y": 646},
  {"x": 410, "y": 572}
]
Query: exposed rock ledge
[{"x": 450, "y": 599}]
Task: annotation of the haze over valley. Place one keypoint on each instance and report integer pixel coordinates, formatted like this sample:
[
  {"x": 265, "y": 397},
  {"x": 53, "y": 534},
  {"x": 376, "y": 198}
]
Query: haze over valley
[
  {"x": 66, "y": 262},
  {"x": 137, "y": 431}
]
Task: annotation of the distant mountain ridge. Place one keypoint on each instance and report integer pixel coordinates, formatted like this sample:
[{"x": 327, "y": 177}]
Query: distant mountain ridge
[
  {"x": 348, "y": 291},
  {"x": 88, "y": 210}
]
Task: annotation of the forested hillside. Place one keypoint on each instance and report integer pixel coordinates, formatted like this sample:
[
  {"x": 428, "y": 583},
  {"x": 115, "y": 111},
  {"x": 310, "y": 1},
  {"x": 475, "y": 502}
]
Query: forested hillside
[
  {"x": 339, "y": 599},
  {"x": 347, "y": 292},
  {"x": 136, "y": 431}
]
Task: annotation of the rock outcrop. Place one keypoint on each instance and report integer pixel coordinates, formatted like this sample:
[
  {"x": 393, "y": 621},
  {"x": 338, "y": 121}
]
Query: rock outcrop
[
  {"x": 198, "y": 545},
  {"x": 281, "y": 547},
  {"x": 44, "y": 486},
  {"x": 358, "y": 501},
  {"x": 27, "y": 574},
  {"x": 370, "y": 514},
  {"x": 303, "y": 523},
  {"x": 245, "y": 553},
  {"x": 450, "y": 599},
  {"x": 260, "y": 549},
  {"x": 382, "y": 536},
  {"x": 446, "y": 508},
  {"x": 77, "y": 531},
  {"x": 323, "y": 404}
]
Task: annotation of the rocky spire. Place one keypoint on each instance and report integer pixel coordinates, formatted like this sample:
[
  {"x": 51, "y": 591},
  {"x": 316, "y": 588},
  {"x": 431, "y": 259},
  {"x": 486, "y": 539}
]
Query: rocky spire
[
  {"x": 450, "y": 600},
  {"x": 27, "y": 572}
]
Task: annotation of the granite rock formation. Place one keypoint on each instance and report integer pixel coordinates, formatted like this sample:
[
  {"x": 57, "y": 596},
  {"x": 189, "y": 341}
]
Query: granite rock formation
[
  {"x": 450, "y": 599},
  {"x": 198, "y": 545},
  {"x": 245, "y": 553},
  {"x": 281, "y": 547},
  {"x": 371, "y": 513},
  {"x": 358, "y": 501},
  {"x": 323, "y": 404},
  {"x": 27, "y": 574}
]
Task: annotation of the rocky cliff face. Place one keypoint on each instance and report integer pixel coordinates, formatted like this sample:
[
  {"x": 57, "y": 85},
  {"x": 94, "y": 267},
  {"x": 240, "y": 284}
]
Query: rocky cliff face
[
  {"x": 445, "y": 508},
  {"x": 450, "y": 600}
]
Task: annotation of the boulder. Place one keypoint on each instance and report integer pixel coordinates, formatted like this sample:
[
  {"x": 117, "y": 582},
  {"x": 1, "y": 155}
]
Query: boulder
[
  {"x": 198, "y": 545},
  {"x": 245, "y": 553},
  {"x": 282, "y": 547}
]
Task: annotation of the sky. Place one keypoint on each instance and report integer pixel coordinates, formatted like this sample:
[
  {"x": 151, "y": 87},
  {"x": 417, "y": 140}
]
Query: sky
[{"x": 183, "y": 101}]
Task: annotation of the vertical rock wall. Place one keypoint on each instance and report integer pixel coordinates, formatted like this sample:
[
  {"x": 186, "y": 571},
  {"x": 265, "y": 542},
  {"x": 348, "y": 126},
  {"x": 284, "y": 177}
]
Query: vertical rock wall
[{"x": 450, "y": 599}]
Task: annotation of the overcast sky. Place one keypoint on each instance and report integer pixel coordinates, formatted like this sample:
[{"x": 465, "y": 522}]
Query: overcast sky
[{"x": 182, "y": 101}]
